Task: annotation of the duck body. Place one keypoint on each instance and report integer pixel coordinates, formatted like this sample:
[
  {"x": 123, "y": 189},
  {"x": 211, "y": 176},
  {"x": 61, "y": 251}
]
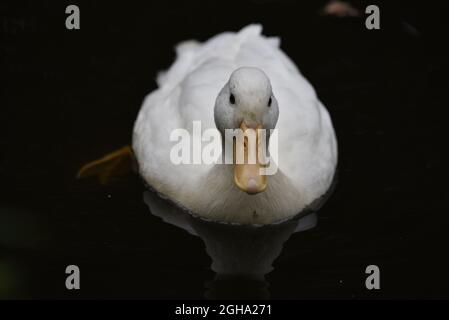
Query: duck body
[{"x": 307, "y": 147}]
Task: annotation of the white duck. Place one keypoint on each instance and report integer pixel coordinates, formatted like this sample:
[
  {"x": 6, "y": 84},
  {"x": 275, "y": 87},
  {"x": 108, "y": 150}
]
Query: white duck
[{"x": 234, "y": 80}]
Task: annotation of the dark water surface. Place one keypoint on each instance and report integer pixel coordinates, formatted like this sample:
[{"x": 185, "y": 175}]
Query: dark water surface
[{"x": 69, "y": 97}]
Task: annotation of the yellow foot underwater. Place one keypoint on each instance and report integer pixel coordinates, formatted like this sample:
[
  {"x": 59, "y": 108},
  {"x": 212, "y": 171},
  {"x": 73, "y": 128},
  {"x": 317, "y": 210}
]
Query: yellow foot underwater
[{"x": 116, "y": 163}]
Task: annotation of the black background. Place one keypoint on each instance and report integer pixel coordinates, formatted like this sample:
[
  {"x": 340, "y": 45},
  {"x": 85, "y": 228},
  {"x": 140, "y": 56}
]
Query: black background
[{"x": 70, "y": 96}]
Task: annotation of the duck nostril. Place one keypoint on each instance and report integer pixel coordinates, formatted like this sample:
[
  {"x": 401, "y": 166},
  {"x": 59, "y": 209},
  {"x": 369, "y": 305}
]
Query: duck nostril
[{"x": 232, "y": 99}]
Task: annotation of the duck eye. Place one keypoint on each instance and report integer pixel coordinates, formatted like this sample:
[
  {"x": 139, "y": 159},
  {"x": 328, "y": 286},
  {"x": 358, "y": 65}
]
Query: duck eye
[
  {"x": 232, "y": 99},
  {"x": 269, "y": 102}
]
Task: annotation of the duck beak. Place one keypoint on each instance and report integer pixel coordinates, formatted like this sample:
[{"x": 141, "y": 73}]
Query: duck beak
[{"x": 247, "y": 173}]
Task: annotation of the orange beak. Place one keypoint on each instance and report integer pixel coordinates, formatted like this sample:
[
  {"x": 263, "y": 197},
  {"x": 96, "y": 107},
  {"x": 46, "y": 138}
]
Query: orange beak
[{"x": 247, "y": 173}]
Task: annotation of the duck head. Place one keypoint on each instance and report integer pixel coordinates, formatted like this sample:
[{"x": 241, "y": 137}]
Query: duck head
[{"x": 247, "y": 102}]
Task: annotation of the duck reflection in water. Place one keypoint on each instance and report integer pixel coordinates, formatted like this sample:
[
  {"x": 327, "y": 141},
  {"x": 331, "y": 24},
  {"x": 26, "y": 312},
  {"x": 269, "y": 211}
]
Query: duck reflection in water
[{"x": 241, "y": 254}]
